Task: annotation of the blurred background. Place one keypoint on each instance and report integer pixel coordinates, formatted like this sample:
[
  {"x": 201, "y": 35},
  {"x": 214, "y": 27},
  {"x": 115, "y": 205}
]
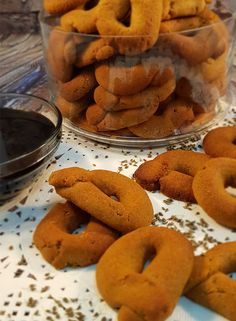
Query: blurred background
[
  {"x": 21, "y": 55},
  {"x": 19, "y": 16}
]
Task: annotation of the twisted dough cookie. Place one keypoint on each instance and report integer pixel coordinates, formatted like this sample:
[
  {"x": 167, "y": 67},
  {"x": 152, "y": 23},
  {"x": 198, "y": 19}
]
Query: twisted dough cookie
[
  {"x": 59, "y": 68},
  {"x": 94, "y": 192},
  {"x": 209, "y": 188},
  {"x": 54, "y": 239},
  {"x": 205, "y": 82},
  {"x": 61, "y": 6},
  {"x": 123, "y": 76},
  {"x": 83, "y": 51},
  {"x": 182, "y": 24},
  {"x": 145, "y": 293},
  {"x": 221, "y": 142},
  {"x": 122, "y": 118},
  {"x": 72, "y": 110},
  {"x": 209, "y": 284},
  {"x": 111, "y": 102},
  {"x": 142, "y": 32},
  {"x": 177, "y": 113},
  {"x": 84, "y": 18},
  {"x": 158, "y": 173},
  {"x": 78, "y": 86},
  {"x": 209, "y": 42},
  {"x": 176, "y": 8},
  {"x": 188, "y": 22}
]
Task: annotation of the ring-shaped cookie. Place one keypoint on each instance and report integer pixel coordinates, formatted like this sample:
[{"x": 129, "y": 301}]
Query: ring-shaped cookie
[
  {"x": 54, "y": 239},
  {"x": 72, "y": 110},
  {"x": 176, "y": 8},
  {"x": 176, "y": 114},
  {"x": 94, "y": 192},
  {"x": 79, "y": 86},
  {"x": 83, "y": 51},
  {"x": 209, "y": 188},
  {"x": 143, "y": 31},
  {"x": 84, "y": 18},
  {"x": 213, "y": 69},
  {"x": 152, "y": 174},
  {"x": 114, "y": 120},
  {"x": 205, "y": 83},
  {"x": 141, "y": 293},
  {"x": 122, "y": 76},
  {"x": 202, "y": 94},
  {"x": 209, "y": 284},
  {"x": 59, "y": 68},
  {"x": 112, "y": 102},
  {"x": 221, "y": 142},
  {"x": 209, "y": 42},
  {"x": 184, "y": 22}
]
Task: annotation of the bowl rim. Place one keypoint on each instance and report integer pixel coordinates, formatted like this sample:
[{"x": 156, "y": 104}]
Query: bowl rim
[
  {"x": 44, "y": 149},
  {"x": 43, "y": 15}
]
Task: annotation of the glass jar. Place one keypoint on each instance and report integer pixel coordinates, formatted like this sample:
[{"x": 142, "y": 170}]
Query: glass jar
[{"x": 142, "y": 90}]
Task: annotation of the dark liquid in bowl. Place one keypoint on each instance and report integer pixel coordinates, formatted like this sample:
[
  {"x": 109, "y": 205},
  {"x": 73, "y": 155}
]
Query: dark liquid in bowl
[{"x": 21, "y": 132}]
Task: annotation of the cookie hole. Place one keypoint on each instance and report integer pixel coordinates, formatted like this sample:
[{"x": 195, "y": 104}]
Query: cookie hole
[
  {"x": 79, "y": 229},
  {"x": 91, "y": 4},
  {"x": 234, "y": 141},
  {"x": 126, "y": 20},
  {"x": 114, "y": 197},
  {"x": 231, "y": 190},
  {"x": 151, "y": 253},
  {"x": 233, "y": 276}
]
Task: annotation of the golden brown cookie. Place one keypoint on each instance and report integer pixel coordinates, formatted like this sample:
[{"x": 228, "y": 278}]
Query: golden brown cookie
[
  {"x": 176, "y": 8},
  {"x": 145, "y": 293},
  {"x": 213, "y": 69},
  {"x": 208, "y": 42},
  {"x": 59, "y": 68},
  {"x": 142, "y": 32},
  {"x": 114, "y": 120},
  {"x": 54, "y": 239},
  {"x": 152, "y": 174},
  {"x": 83, "y": 124},
  {"x": 221, "y": 142},
  {"x": 175, "y": 115},
  {"x": 210, "y": 285},
  {"x": 83, "y": 51},
  {"x": 61, "y": 6},
  {"x": 72, "y": 110},
  {"x": 182, "y": 24},
  {"x": 95, "y": 114},
  {"x": 209, "y": 188},
  {"x": 112, "y": 102},
  {"x": 112, "y": 198},
  {"x": 84, "y": 18},
  {"x": 126, "y": 76},
  {"x": 79, "y": 86}
]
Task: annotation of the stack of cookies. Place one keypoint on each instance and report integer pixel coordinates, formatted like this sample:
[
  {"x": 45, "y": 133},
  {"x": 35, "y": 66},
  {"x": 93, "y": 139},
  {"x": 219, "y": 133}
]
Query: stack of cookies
[{"x": 148, "y": 69}]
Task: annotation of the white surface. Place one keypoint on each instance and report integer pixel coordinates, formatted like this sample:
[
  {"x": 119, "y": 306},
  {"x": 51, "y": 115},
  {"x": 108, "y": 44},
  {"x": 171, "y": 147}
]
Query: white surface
[{"x": 32, "y": 290}]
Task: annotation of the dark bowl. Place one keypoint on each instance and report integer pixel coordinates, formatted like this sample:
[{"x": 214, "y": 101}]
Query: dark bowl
[{"x": 30, "y": 132}]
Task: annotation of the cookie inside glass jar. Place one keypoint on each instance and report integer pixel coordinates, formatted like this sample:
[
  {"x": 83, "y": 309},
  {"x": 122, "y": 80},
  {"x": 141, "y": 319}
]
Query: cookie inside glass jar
[{"x": 183, "y": 53}]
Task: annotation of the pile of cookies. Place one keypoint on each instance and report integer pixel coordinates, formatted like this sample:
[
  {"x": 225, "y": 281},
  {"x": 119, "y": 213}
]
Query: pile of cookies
[
  {"x": 108, "y": 203},
  {"x": 148, "y": 69},
  {"x": 198, "y": 177},
  {"x": 143, "y": 270}
]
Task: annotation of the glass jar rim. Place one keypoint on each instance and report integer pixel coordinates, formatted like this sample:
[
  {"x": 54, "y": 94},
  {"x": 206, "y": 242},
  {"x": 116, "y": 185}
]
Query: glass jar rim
[{"x": 43, "y": 16}]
